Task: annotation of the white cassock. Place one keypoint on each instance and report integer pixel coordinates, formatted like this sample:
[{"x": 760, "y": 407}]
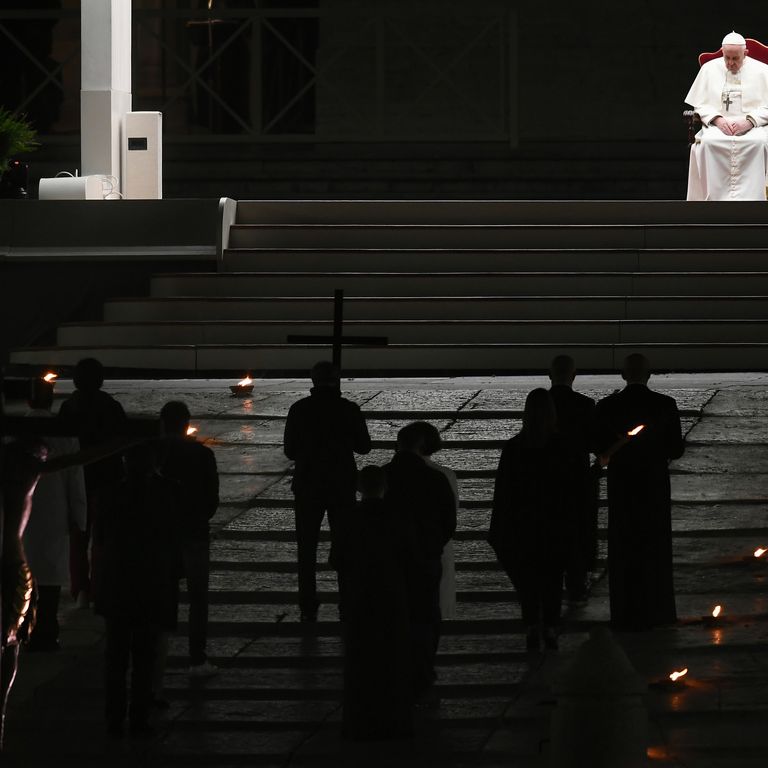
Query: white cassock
[
  {"x": 729, "y": 167},
  {"x": 57, "y": 506},
  {"x": 448, "y": 577}
]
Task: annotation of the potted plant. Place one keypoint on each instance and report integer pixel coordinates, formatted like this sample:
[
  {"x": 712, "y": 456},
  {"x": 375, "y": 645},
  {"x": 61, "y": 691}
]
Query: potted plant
[{"x": 17, "y": 137}]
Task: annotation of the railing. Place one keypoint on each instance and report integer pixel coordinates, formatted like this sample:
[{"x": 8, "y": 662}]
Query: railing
[{"x": 338, "y": 71}]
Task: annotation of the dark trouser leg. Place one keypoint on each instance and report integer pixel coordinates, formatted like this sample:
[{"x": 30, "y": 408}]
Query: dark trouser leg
[
  {"x": 116, "y": 653},
  {"x": 424, "y": 590},
  {"x": 46, "y": 631},
  {"x": 143, "y": 649},
  {"x": 158, "y": 668},
  {"x": 528, "y": 597},
  {"x": 551, "y": 593},
  {"x": 580, "y": 559},
  {"x": 196, "y": 559},
  {"x": 592, "y": 511},
  {"x": 79, "y": 568},
  {"x": 336, "y": 514},
  {"x": 521, "y": 581},
  {"x": 309, "y": 518},
  {"x": 576, "y": 561},
  {"x": 436, "y": 572}
]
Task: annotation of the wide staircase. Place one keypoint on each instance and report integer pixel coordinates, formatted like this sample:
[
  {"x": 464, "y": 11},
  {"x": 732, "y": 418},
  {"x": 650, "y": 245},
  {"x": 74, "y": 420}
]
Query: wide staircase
[
  {"x": 454, "y": 286},
  {"x": 277, "y": 698}
]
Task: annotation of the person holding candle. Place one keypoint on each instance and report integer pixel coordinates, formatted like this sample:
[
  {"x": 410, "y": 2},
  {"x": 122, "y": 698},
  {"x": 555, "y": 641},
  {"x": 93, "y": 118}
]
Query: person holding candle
[{"x": 639, "y": 501}]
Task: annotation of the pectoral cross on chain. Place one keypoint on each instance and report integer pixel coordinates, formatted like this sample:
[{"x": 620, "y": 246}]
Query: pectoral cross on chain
[{"x": 727, "y": 101}]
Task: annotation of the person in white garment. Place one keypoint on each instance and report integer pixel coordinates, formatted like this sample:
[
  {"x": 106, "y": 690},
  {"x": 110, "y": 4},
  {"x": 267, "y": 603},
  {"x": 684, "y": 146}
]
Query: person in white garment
[
  {"x": 432, "y": 444},
  {"x": 58, "y": 506},
  {"x": 729, "y": 158}
]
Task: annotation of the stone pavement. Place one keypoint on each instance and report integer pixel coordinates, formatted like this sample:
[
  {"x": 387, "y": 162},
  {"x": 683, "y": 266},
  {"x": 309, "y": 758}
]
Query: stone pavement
[{"x": 276, "y": 700}]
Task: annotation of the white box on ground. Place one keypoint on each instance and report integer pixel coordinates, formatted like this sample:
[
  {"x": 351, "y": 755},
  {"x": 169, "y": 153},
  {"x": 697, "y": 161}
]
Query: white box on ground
[
  {"x": 71, "y": 188},
  {"x": 143, "y": 156}
]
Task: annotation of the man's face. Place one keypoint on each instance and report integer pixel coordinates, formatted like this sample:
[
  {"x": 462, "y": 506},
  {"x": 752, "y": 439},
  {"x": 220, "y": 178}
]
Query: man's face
[{"x": 733, "y": 56}]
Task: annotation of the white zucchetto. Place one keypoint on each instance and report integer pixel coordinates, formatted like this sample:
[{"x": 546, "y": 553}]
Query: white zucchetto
[{"x": 734, "y": 38}]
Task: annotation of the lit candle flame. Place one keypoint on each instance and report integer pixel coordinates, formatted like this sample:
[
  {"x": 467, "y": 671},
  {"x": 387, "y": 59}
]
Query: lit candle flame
[
  {"x": 191, "y": 431},
  {"x": 50, "y": 377},
  {"x": 759, "y": 552},
  {"x": 247, "y": 381},
  {"x": 675, "y": 676},
  {"x": 718, "y": 609},
  {"x": 639, "y": 428}
]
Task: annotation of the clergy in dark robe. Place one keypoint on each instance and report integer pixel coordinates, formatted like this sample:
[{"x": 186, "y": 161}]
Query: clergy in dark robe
[
  {"x": 575, "y": 420},
  {"x": 377, "y": 674},
  {"x": 639, "y": 504},
  {"x": 138, "y": 593},
  {"x": 424, "y": 507},
  {"x": 532, "y": 523}
]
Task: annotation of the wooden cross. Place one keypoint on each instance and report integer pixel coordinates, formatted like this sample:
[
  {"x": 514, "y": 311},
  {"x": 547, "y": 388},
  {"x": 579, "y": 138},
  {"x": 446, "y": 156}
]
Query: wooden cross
[
  {"x": 337, "y": 339},
  {"x": 727, "y": 101}
]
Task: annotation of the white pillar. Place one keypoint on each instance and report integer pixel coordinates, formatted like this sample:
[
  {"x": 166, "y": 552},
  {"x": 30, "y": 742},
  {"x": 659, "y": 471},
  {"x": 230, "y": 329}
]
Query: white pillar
[{"x": 105, "y": 95}]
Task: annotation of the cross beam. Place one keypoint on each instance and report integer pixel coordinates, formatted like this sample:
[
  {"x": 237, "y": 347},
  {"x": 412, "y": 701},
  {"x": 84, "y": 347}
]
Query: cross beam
[{"x": 337, "y": 339}]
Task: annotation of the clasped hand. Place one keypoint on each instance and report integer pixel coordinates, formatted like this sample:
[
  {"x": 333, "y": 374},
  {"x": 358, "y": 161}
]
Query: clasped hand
[{"x": 733, "y": 127}]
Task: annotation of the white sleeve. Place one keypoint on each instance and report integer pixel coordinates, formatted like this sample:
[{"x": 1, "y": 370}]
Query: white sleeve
[
  {"x": 703, "y": 96},
  {"x": 75, "y": 489}
]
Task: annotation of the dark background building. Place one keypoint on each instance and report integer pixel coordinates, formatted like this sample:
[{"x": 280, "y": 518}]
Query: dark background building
[{"x": 397, "y": 98}]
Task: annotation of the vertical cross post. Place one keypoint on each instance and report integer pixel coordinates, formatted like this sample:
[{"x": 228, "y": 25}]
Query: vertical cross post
[{"x": 338, "y": 325}]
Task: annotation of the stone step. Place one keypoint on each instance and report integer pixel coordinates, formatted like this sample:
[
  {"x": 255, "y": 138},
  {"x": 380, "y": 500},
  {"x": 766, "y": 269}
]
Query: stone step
[
  {"x": 495, "y": 616},
  {"x": 417, "y": 331},
  {"x": 636, "y": 236},
  {"x": 327, "y": 650},
  {"x": 243, "y": 284},
  {"x": 699, "y": 518},
  {"x": 435, "y": 211},
  {"x": 438, "y": 308},
  {"x": 399, "y": 359},
  {"x": 726, "y": 549},
  {"x": 435, "y": 259}
]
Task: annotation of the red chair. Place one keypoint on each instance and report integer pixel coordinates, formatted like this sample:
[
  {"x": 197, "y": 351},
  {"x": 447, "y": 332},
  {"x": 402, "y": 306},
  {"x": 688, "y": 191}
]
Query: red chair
[{"x": 756, "y": 50}]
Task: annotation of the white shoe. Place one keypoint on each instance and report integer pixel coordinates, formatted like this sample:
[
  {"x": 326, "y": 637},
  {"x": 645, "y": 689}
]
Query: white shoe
[{"x": 203, "y": 670}]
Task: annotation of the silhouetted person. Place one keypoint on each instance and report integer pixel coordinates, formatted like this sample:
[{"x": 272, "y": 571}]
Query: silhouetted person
[
  {"x": 97, "y": 417},
  {"x": 323, "y": 432},
  {"x": 192, "y": 466},
  {"x": 58, "y": 506},
  {"x": 23, "y": 462},
  {"x": 432, "y": 444},
  {"x": 532, "y": 526},
  {"x": 139, "y": 592},
  {"x": 377, "y": 684},
  {"x": 575, "y": 419},
  {"x": 639, "y": 505},
  {"x": 425, "y": 510}
]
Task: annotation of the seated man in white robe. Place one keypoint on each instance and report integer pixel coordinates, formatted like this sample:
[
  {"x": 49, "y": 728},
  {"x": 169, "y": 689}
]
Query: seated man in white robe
[{"x": 729, "y": 158}]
